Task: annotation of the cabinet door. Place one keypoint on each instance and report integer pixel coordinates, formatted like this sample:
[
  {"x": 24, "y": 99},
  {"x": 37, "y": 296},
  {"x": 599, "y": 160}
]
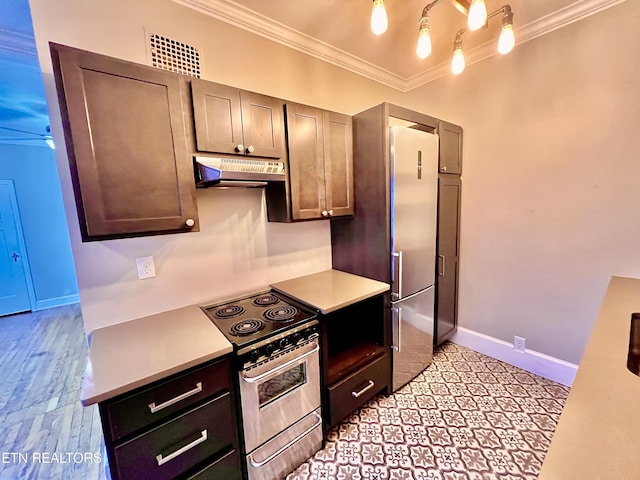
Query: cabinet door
[
  {"x": 338, "y": 163},
  {"x": 306, "y": 161},
  {"x": 126, "y": 144},
  {"x": 449, "y": 187},
  {"x": 262, "y": 125},
  {"x": 450, "y": 148},
  {"x": 217, "y": 117}
]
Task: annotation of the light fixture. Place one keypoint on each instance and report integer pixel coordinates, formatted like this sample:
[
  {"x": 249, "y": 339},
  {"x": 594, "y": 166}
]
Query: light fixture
[
  {"x": 457, "y": 61},
  {"x": 423, "y": 50},
  {"x": 379, "y": 21},
  {"x": 477, "y": 16},
  {"x": 507, "y": 39}
]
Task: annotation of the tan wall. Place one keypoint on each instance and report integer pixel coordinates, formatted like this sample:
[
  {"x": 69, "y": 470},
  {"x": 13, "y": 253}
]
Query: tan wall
[
  {"x": 551, "y": 183},
  {"x": 237, "y": 249}
]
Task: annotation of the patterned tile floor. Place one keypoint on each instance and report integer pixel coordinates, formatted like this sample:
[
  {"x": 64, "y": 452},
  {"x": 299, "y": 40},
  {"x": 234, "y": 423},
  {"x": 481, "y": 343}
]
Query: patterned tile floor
[{"x": 466, "y": 417}]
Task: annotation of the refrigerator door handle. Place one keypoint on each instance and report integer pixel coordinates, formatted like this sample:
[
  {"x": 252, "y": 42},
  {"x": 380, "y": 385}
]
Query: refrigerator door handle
[
  {"x": 396, "y": 331},
  {"x": 441, "y": 263},
  {"x": 397, "y": 280}
]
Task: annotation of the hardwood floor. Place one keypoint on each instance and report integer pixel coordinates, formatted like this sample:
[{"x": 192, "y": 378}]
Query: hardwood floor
[{"x": 45, "y": 433}]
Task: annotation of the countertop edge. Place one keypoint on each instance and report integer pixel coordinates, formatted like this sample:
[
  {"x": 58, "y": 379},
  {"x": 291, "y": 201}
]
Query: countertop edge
[{"x": 88, "y": 399}]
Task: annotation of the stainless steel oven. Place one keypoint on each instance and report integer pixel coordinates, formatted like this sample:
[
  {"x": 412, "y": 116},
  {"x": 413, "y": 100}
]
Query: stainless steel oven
[{"x": 280, "y": 397}]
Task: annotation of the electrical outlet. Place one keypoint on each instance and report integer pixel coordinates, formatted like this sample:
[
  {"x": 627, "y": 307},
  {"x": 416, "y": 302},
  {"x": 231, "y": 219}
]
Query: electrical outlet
[
  {"x": 146, "y": 267},
  {"x": 519, "y": 343}
]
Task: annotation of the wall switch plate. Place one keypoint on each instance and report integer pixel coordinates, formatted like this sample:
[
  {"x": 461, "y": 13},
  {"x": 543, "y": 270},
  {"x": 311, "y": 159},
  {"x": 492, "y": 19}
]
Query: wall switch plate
[
  {"x": 519, "y": 343},
  {"x": 146, "y": 267}
]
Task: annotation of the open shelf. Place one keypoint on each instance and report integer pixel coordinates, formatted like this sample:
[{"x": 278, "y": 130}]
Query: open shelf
[{"x": 349, "y": 360}]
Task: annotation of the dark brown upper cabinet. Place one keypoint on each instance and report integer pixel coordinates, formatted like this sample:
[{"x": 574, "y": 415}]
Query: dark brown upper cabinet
[
  {"x": 320, "y": 147},
  {"x": 232, "y": 121},
  {"x": 125, "y": 138},
  {"x": 450, "y": 148}
]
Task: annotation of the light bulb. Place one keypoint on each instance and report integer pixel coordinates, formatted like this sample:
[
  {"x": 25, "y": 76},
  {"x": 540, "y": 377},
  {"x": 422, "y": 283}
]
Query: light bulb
[
  {"x": 507, "y": 39},
  {"x": 477, "y": 15},
  {"x": 423, "y": 49},
  {"x": 379, "y": 21},
  {"x": 457, "y": 61}
]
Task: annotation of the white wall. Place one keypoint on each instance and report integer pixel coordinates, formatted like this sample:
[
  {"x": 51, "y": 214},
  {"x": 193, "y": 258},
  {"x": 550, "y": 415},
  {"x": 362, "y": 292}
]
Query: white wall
[
  {"x": 551, "y": 179},
  {"x": 236, "y": 250}
]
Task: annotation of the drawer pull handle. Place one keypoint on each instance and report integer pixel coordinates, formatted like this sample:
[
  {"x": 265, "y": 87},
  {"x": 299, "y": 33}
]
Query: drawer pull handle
[
  {"x": 368, "y": 387},
  {"x": 285, "y": 447},
  {"x": 155, "y": 408},
  {"x": 162, "y": 460}
]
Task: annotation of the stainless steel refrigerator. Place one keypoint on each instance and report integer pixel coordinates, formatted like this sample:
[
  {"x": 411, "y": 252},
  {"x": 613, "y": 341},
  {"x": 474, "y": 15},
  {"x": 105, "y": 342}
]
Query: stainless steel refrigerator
[{"x": 413, "y": 175}]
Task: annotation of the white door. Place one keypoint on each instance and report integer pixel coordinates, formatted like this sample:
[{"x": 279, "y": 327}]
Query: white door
[{"x": 14, "y": 286}]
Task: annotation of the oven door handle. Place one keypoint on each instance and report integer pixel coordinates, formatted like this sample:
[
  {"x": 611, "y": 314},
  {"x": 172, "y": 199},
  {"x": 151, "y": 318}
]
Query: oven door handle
[
  {"x": 285, "y": 447},
  {"x": 293, "y": 361}
]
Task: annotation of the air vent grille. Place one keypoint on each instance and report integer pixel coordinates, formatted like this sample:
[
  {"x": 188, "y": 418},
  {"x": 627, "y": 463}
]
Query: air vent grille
[{"x": 173, "y": 55}]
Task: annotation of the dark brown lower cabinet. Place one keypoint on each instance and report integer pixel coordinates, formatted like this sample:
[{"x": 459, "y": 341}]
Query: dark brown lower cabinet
[
  {"x": 194, "y": 435},
  {"x": 449, "y": 188},
  {"x": 356, "y": 359}
]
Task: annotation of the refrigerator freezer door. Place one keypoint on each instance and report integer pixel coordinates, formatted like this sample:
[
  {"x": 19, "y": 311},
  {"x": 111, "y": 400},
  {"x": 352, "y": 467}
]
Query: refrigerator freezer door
[
  {"x": 414, "y": 190},
  {"x": 412, "y": 336}
]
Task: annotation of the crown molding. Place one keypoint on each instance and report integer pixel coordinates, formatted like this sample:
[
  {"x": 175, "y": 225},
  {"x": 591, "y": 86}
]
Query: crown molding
[
  {"x": 239, "y": 16},
  {"x": 17, "y": 43}
]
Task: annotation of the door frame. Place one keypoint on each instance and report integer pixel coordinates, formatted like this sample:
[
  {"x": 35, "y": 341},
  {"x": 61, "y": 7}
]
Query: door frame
[{"x": 15, "y": 210}]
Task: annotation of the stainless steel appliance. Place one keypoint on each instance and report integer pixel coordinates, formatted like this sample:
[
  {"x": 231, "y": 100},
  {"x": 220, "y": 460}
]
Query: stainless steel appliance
[
  {"x": 277, "y": 355},
  {"x": 413, "y": 210}
]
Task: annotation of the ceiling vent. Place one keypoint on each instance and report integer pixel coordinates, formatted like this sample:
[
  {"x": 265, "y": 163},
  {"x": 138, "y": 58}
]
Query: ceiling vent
[{"x": 172, "y": 55}]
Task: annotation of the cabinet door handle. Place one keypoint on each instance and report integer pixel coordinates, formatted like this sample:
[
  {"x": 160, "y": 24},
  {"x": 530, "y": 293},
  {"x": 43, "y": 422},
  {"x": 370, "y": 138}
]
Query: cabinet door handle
[
  {"x": 444, "y": 169},
  {"x": 369, "y": 386},
  {"x": 325, "y": 213},
  {"x": 441, "y": 261},
  {"x": 190, "y": 222},
  {"x": 155, "y": 408},
  {"x": 285, "y": 447},
  {"x": 162, "y": 460},
  {"x": 239, "y": 148},
  {"x": 330, "y": 212},
  {"x": 250, "y": 149}
]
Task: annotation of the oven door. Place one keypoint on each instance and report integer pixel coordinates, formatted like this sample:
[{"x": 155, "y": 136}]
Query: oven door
[{"x": 279, "y": 392}]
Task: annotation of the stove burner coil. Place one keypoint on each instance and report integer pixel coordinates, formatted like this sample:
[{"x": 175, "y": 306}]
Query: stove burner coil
[
  {"x": 266, "y": 300},
  {"x": 280, "y": 314},
  {"x": 229, "y": 311},
  {"x": 246, "y": 327}
]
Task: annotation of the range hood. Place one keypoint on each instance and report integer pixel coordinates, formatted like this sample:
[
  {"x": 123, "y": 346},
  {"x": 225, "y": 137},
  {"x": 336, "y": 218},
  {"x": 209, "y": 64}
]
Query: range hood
[{"x": 237, "y": 172}]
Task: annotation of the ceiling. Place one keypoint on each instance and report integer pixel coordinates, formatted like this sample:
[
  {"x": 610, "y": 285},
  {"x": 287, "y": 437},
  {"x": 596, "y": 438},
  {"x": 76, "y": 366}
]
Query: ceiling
[{"x": 338, "y": 31}]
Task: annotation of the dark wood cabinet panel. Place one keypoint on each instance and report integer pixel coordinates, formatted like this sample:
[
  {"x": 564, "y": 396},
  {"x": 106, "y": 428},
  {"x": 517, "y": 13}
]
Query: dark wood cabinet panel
[
  {"x": 125, "y": 140},
  {"x": 306, "y": 161},
  {"x": 134, "y": 412},
  {"x": 320, "y": 147},
  {"x": 195, "y": 432},
  {"x": 232, "y": 121},
  {"x": 338, "y": 163},
  {"x": 449, "y": 190},
  {"x": 358, "y": 388},
  {"x": 450, "y": 148}
]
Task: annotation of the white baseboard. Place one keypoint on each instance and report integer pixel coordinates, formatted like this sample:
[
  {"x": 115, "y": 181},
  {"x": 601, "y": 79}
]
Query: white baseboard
[
  {"x": 529, "y": 360},
  {"x": 56, "y": 302}
]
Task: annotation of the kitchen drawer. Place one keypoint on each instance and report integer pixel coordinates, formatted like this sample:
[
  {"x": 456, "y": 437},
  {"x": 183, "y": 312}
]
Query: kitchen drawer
[
  {"x": 359, "y": 387},
  {"x": 178, "y": 445},
  {"x": 227, "y": 468},
  {"x": 134, "y": 412}
]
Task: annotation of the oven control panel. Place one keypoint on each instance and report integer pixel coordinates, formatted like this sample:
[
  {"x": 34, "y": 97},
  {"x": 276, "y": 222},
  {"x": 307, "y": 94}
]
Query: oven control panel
[{"x": 273, "y": 346}]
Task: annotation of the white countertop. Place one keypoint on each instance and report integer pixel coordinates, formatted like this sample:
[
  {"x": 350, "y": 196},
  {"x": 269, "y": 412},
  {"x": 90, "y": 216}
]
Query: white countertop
[
  {"x": 132, "y": 354},
  {"x": 330, "y": 290},
  {"x": 598, "y": 435}
]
